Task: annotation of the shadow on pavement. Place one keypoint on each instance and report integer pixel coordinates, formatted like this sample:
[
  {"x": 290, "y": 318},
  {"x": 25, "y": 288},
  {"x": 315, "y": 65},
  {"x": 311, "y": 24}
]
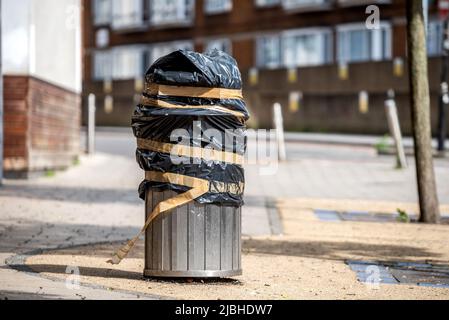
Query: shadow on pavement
[
  {"x": 17, "y": 295},
  {"x": 308, "y": 249},
  {"x": 336, "y": 250},
  {"x": 84, "y": 255},
  {"x": 99, "y": 272},
  {"x": 85, "y": 271},
  {"x": 26, "y": 235}
]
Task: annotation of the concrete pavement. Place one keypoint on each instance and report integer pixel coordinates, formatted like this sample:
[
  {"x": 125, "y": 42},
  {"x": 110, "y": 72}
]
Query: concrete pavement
[
  {"x": 97, "y": 201},
  {"x": 93, "y": 202},
  {"x": 313, "y": 259},
  {"x": 75, "y": 207}
]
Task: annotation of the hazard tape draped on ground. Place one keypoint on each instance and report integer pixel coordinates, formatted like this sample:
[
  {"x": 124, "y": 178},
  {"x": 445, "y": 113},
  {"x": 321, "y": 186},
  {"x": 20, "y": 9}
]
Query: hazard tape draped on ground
[{"x": 198, "y": 187}]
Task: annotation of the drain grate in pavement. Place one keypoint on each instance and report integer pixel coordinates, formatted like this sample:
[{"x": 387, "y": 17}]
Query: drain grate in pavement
[
  {"x": 365, "y": 216},
  {"x": 369, "y": 272},
  {"x": 420, "y": 274},
  {"x": 326, "y": 215}
]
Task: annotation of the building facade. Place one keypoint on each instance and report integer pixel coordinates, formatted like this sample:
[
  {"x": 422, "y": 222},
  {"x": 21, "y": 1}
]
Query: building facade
[
  {"x": 41, "y": 60},
  {"x": 329, "y": 63}
]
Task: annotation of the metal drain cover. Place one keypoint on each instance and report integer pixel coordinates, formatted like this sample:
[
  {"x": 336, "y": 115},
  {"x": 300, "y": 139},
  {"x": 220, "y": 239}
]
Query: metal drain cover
[{"x": 421, "y": 274}]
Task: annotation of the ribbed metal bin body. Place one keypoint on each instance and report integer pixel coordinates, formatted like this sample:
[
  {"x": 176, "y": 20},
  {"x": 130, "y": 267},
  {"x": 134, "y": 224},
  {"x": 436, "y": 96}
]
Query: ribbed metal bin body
[{"x": 194, "y": 240}]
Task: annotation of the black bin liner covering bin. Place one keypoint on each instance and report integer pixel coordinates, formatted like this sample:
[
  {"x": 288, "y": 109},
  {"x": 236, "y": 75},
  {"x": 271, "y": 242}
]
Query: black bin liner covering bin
[{"x": 192, "y": 101}]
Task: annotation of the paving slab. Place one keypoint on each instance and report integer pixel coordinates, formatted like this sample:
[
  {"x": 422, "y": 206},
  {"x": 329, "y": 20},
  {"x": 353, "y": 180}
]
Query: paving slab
[
  {"x": 309, "y": 261},
  {"x": 97, "y": 202},
  {"x": 94, "y": 202}
]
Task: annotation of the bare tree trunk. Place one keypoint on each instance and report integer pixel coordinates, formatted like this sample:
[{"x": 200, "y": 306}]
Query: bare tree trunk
[{"x": 420, "y": 104}]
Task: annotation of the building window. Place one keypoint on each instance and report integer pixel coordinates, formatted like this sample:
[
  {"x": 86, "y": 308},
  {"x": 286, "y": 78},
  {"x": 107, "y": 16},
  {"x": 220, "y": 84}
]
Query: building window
[
  {"x": 120, "y": 63},
  {"x": 129, "y": 62},
  {"x": 435, "y": 37},
  {"x": 127, "y": 14},
  {"x": 356, "y": 43},
  {"x": 217, "y": 6},
  {"x": 102, "y": 65},
  {"x": 171, "y": 11},
  {"x": 162, "y": 49},
  {"x": 224, "y": 45},
  {"x": 102, "y": 12},
  {"x": 307, "y": 47},
  {"x": 268, "y": 51},
  {"x": 267, "y": 3},
  {"x": 294, "y": 48},
  {"x": 303, "y": 4}
]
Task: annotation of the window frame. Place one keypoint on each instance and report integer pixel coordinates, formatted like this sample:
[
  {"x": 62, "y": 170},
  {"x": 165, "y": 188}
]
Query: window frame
[
  {"x": 226, "y": 41},
  {"x": 384, "y": 26},
  {"x": 308, "y": 5},
  {"x": 262, "y": 37},
  {"x": 136, "y": 21},
  {"x": 438, "y": 46},
  {"x": 106, "y": 18},
  {"x": 140, "y": 67},
  {"x": 263, "y": 4},
  {"x": 188, "y": 20},
  {"x": 327, "y": 57},
  {"x": 106, "y": 64},
  {"x": 175, "y": 45},
  {"x": 211, "y": 11}
]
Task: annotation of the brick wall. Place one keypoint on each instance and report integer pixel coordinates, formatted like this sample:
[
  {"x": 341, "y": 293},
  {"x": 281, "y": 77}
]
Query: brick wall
[
  {"x": 15, "y": 123},
  {"x": 42, "y": 125}
]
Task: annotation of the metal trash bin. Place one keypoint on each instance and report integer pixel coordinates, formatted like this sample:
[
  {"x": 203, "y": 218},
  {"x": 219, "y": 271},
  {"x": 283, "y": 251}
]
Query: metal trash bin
[
  {"x": 193, "y": 206},
  {"x": 194, "y": 240}
]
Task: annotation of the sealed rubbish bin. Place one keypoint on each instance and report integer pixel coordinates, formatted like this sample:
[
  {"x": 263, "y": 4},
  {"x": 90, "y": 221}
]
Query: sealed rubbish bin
[
  {"x": 190, "y": 130},
  {"x": 194, "y": 240}
]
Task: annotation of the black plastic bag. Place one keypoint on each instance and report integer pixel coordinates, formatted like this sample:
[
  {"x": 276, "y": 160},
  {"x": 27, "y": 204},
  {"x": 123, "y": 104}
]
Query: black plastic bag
[{"x": 195, "y": 98}]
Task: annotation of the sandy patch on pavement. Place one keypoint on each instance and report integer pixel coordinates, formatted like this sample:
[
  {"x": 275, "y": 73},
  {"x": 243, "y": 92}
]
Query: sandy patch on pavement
[{"x": 307, "y": 262}]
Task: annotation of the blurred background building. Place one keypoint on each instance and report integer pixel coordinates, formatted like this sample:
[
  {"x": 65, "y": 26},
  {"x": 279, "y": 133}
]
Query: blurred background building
[
  {"x": 316, "y": 57},
  {"x": 320, "y": 59},
  {"x": 41, "y": 59}
]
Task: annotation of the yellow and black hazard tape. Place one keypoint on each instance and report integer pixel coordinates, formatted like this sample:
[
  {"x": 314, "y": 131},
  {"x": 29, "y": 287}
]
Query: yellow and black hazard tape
[
  {"x": 181, "y": 150},
  {"x": 192, "y": 92},
  {"x": 157, "y": 103},
  {"x": 198, "y": 187}
]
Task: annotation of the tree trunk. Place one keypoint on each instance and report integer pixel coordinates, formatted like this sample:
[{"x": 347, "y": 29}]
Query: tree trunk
[{"x": 420, "y": 105}]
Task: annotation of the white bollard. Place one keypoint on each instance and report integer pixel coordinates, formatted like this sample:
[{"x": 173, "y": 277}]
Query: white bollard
[
  {"x": 279, "y": 126},
  {"x": 91, "y": 125},
  {"x": 395, "y": 130}
]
